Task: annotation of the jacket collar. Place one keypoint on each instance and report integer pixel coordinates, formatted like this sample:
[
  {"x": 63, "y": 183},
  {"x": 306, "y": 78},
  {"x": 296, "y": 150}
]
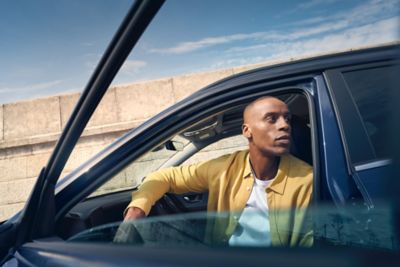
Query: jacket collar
[
  {"x": 279, "y": 182},
  {"x": 247, "y": 169}
]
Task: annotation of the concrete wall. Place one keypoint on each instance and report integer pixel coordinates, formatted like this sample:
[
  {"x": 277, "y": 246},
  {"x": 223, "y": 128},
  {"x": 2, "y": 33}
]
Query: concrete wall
[{"x": 30, "y": 129}]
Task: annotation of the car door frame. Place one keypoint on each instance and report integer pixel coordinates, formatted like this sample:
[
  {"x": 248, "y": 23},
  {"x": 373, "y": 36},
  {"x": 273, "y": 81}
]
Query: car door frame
[
  {"x": 37, "y": 219},
  {"x": 231, "y": 91}
]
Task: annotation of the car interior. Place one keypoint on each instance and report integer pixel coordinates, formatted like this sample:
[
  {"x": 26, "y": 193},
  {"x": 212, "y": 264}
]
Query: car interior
[{"x": 109, "y": 208}]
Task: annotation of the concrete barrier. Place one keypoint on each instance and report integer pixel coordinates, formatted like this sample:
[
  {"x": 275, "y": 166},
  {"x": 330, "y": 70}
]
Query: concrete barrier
[
  {"x": 31, "y": 118},
  {"x": 1, "y": 123}
]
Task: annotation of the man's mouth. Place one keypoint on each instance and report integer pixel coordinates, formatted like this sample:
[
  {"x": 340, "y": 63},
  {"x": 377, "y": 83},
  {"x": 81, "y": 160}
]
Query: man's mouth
[{"x": 283, "y": 139}]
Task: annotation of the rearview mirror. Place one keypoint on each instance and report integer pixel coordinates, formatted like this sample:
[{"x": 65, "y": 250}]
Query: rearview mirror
[{"x": 171, "y": 145}]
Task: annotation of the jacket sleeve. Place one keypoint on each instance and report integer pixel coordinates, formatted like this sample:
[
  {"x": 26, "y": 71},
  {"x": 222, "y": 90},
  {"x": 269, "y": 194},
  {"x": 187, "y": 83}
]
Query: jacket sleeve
[{"x": 182, "y": 179}]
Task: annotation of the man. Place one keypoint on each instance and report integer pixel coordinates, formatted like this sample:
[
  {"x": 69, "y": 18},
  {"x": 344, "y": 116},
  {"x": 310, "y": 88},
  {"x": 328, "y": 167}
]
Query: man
[{"x": 264, "y": 178}]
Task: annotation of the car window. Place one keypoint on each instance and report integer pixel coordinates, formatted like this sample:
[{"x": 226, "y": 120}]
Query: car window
[
  {"x": 48, "y": 51},
  {"x": 372, "y": 90},
  {"x": 344, "y": 227},
  {"x": 133, "y": 174},
  {"x": 219, "y": 148}
]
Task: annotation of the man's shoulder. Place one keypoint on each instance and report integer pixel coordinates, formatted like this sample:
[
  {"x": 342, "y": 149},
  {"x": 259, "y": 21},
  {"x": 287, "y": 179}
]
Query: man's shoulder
[
  {"x": 236, "y": 160},
  {"x": 300, "y": 169},
  {"x": 237, "y": 155}
]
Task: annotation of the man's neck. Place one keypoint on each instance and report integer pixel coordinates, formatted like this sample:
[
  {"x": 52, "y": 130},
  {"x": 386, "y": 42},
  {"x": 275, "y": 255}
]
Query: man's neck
[{"x": 264, "y": 167}]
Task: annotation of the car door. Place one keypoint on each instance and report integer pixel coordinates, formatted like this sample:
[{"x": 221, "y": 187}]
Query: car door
[
  {"x": 229, "y": 92},
  {"x": 358, "y": 153},
  {"x": 363, "y": 97},
  {"x": 38, "y": 217},
  {"x": 223, "y": 95}
]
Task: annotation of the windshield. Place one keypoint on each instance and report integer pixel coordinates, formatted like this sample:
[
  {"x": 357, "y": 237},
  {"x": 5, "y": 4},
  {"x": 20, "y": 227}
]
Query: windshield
[
  {"x": 48, "y": 51},
  {"x": 50, "y": 48}
]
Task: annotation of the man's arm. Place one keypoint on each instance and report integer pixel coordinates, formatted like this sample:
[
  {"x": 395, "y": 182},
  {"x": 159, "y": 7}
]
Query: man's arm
[{"x": 182, "y": 179}]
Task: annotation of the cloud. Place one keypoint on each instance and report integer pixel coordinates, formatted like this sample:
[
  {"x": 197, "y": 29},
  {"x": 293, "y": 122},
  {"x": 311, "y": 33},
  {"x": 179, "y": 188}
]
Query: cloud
[
  {"x": 313, "y": 3},
  {"x": 186, "y": 47},
  {"x": 312, "y": 20},
  {"x": 373, "y": 34},
  {"x": 132, "y": 66},
  {"x": 366, "y": 13},
  {"x": 373, "y": 8},
  {"x": 379, "y": 32},
  {"x": 31, "y": 88}
]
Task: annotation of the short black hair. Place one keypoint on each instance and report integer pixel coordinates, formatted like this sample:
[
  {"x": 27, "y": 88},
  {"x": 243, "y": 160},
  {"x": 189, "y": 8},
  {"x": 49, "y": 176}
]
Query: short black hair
[{"x": 252, "y": 103}]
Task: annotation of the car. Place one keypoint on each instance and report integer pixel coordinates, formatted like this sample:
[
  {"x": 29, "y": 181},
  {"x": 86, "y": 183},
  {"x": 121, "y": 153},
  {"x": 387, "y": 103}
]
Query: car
[{"x": 343, "y": 115}]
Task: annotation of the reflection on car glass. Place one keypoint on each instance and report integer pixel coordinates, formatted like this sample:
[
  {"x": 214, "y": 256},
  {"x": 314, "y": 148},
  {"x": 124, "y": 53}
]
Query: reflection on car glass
[{"x": 350, "y": 226}]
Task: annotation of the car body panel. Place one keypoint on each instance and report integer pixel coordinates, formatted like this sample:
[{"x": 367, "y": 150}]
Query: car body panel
[{"x": 67, "y": 254}]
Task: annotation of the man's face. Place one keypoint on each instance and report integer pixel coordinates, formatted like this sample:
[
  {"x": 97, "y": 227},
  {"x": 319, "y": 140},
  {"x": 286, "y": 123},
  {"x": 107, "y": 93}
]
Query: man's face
[{"x": 267, "y": 126}]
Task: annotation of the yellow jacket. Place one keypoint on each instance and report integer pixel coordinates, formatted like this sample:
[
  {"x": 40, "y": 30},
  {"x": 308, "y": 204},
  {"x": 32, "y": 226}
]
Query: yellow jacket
[{"x": 229, "y": 181}]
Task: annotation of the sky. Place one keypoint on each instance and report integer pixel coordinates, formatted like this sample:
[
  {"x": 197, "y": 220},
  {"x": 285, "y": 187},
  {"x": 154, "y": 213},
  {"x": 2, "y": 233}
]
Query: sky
[{"x": 52, "y": 47}]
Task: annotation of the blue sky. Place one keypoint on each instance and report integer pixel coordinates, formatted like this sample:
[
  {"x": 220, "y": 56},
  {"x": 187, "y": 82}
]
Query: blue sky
[{"x": 50, "y": 47}]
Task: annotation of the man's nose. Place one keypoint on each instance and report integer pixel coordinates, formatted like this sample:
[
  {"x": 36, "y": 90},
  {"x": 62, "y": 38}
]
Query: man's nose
[{"x": 283, "y": 124}]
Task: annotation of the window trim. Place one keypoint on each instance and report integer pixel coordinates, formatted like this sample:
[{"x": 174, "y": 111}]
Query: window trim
[{"x": 373, "y": 164}]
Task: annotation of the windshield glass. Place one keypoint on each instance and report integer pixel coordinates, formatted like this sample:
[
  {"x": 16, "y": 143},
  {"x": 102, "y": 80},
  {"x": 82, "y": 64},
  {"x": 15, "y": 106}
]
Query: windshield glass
[
  {"x": 48, "y": 51},
  {"x": 50, "y": 48},
  {"x": 350, "y": 226}
]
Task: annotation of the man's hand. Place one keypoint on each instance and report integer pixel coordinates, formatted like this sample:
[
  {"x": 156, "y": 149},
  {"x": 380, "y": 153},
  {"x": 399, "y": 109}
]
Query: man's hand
[
  {"x": 134, "y": 213},
  {"x": 127, "y": 232}
]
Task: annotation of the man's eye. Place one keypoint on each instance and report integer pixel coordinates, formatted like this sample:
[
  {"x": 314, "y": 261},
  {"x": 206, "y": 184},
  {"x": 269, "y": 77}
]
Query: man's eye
[
  {"x": 288, "y": 118},
  {"x": 271, "y": 119}
]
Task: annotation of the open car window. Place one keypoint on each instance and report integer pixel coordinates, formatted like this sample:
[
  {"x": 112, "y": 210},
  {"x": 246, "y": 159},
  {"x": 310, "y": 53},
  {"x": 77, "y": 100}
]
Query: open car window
[
  {"x": 171, "y": 153},
  {"x": 210, "y": 138},
  {"x": 49, "y": 50},
  {"x": 336, "y": 228}
]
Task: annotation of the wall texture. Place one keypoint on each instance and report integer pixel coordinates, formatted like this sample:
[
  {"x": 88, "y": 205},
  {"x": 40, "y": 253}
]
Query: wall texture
[{"x": 30, "y": 129}]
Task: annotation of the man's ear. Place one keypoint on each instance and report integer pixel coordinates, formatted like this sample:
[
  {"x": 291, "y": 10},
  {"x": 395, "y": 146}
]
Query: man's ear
[{"x": 246, "y": 131}]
